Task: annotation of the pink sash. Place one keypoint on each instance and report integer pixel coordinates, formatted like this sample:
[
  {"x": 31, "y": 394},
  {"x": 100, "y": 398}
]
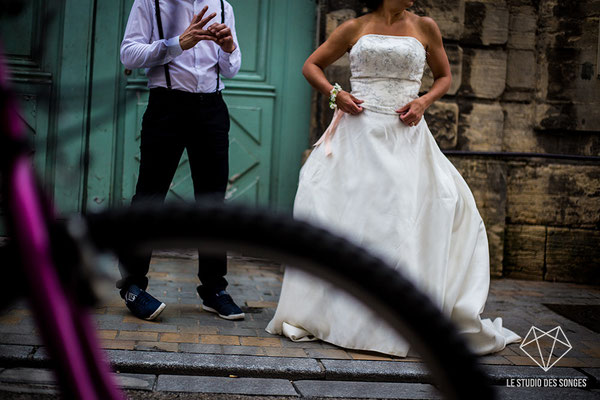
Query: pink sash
[{"x": 326, "y": 137}]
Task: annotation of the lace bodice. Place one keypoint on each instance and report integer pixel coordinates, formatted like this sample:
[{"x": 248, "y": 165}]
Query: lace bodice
[{"x": 386, "y": 71}]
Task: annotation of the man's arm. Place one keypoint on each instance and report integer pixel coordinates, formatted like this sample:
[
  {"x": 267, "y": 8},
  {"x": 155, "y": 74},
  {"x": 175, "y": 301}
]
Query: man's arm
[
  {"x": 137, "y": 50},
  {"x": 230, "y": 60}
]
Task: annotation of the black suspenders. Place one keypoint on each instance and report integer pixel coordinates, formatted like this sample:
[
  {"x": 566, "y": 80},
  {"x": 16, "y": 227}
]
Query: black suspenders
[
  {"x": 219, "y": 50},
  {"x": 162, "y": 36}
]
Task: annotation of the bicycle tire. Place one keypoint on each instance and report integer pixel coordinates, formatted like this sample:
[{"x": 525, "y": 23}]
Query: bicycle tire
[{"x": 217, "y": 227}]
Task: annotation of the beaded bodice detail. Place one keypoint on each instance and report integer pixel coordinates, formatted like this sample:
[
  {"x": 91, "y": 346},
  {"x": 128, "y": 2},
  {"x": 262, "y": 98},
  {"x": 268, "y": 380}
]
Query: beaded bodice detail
[{"x": 386, "y": 71}]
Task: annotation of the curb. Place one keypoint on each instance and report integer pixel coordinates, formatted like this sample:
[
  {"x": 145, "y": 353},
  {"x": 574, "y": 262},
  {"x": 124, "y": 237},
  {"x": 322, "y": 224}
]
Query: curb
[{"x": 159, "y": 363}]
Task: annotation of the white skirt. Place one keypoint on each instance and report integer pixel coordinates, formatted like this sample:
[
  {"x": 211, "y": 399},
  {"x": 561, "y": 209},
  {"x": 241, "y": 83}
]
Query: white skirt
[{"x": 388, "y": 187}]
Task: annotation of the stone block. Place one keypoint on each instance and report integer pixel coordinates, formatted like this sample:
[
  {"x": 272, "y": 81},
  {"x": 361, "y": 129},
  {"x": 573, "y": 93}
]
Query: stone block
[
  {"x": 366, "y": 390},
  {"x": 487, "y": 181},
  {"x": 519, "y": 135},
  {"x": 336, "y": 18},
  {"x": 523, "y": 96},
  {"x": 567, "y": 116},
  {"x": 524, "y": 250},
  {"x": 442, "y": 119},
  {"x": 484, "y": 73},
  {"x": 522, "y": 28},
  {"x": 573, "y": 255},
  {"x": 581, "y": 143},
  {"x": 486, "y": 22},
  {"x": 553, "y": 194},
  {"x": 481, "y": 126},
  {"x": 521, "y": 69},
  {"x": 375, "y": 371},
  {"x": 222, "y": 385},
  {"x": 455, "y": 57},
  {"x": 448, "y": 14},
  {"x": 567, "y": 48}
]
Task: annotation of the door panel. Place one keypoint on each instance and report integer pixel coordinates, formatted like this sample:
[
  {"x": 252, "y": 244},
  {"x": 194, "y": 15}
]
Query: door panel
[
  {"x": 250, "y": 147},
  {"x": 48, "y": 61}
]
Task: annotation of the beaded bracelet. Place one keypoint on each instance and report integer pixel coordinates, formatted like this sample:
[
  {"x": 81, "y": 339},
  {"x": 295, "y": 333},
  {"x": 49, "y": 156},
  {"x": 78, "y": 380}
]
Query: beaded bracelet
[{"x": 333, "y": 95}]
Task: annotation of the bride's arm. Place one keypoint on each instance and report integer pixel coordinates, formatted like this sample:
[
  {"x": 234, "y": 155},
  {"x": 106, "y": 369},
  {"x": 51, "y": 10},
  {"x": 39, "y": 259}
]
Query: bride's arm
[
  {"x": 335, "y": 47},
  {"x": 437, "y": 60}
]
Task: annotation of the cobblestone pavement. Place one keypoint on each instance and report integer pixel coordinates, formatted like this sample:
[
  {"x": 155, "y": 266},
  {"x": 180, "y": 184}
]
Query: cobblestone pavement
[
  {"x": 185, "y": 328},
  {"x": 190, "y": 350}
]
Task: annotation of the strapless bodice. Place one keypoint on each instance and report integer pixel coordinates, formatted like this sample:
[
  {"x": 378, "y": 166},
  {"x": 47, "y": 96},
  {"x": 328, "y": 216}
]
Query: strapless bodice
[{"x": 386, "y": 71}]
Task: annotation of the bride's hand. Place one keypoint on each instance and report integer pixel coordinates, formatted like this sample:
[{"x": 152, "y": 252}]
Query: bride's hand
[
  {"x": 348, "y": 103},
  {"x": 412, "y": 112}
]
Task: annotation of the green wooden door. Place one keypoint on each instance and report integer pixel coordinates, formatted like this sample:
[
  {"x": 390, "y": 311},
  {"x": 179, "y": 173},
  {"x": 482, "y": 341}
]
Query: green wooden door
[
  {"x": 84, "y": 114},
  {"x": 49, "y": 62},
  {"x": 265, "y": 147}
]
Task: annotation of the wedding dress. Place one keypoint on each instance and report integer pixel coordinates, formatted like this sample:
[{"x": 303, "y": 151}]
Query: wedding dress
[{"x": 388, "y": 187}]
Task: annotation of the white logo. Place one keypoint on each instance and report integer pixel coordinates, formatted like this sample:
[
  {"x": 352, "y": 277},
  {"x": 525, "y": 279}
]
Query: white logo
[
  {"x": 542, "y": 347},
  {"x": 130, "y": 297}
]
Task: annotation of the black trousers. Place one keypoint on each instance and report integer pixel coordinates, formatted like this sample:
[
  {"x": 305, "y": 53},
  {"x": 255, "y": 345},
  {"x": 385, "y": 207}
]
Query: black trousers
[{"x": 177, "y": 120}]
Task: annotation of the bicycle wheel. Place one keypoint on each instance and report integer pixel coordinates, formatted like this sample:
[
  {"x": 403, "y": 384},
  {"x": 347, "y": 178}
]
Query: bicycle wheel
[{"x": 218, "y": 227}]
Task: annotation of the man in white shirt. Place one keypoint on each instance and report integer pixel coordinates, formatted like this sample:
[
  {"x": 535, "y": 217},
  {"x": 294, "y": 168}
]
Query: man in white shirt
[{"x": 184, "y": 48}]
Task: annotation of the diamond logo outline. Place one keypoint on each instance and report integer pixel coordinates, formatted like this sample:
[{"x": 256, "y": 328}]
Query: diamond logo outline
[{"x": 537, "y": 334}]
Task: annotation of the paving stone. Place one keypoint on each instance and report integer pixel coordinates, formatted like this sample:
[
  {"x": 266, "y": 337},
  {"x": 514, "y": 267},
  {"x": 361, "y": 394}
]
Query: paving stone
[
  {"x": 28, "y": 391},
  {"x": 246, "y": 386},
  {"x": 14, "y": 338},
  {"x": 365, "y": 355},
  {"x": 328, "y": 353},
  {"x": 116, "y": 325},
  {"x": 156, "y": 346},
  {"x": 40, "y": 355},
  {"x": 260, "y": 341},
  {"x": 118, "y": 344},
  {"x": 136, "y": 381},
  {"x": 218, "y": 364},
  {"x": 106, "y": 334},
  {"x": 10, "y": 319},
  {"x": 281, "y": 352},
  {"x": 14, "y": 353},
  {"x": 220, "y": 339},
  {"x": 389, "y": 371},
  {"x": 159, "y": 328},
  {"x": 236, "y": 331},
  {"x": 179, "y": 337},
  {"x": 510, "y": 393},
  {"x": 120, "y": 317},
  {"x": 201, "y": 348},
  {"x": 367, "y": 390},
  {"x": 27, "y": 375},
  {"x": 134, "y": 335},
  {"x": 243, "y": 350}
]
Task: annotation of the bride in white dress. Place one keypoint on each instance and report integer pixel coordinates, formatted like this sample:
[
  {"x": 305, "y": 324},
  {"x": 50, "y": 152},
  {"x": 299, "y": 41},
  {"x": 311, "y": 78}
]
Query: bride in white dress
[{"x": 378, "y": 177}]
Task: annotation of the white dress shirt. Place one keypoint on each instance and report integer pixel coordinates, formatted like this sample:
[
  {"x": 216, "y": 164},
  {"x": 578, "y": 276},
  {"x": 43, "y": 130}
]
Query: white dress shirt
[{"x": 192, "y": 70}]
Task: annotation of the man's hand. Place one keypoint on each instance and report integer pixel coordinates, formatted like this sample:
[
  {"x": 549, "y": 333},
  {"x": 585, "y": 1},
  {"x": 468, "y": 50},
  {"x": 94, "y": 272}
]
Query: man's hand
[
  {"x": 224, "y": 37},
  {"x": 195, "y": 32}
]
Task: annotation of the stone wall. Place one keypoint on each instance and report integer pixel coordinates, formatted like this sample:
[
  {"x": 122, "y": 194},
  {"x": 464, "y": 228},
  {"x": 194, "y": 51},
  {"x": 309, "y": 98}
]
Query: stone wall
[{"x": 526, "y": 86}]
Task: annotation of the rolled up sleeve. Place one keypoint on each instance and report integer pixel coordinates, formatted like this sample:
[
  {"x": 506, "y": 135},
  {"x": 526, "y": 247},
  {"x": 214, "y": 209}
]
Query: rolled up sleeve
[{"x": 137, "y": 48}]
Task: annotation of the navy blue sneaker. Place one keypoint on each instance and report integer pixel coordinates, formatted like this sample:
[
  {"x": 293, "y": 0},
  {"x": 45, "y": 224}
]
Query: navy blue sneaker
[
  {"x": 142, "y": 304},
  {"x": 222, "y": 304}
]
